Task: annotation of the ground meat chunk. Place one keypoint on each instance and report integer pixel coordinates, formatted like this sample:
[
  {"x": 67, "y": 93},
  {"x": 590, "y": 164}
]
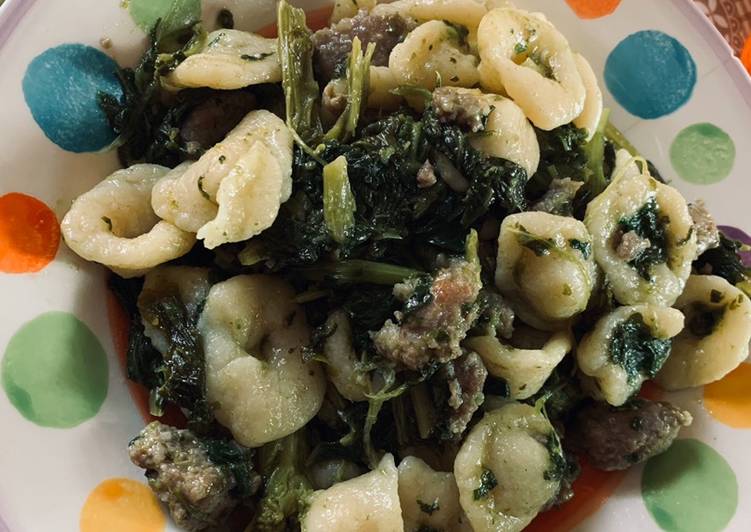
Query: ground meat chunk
[
  {"x": 631, "y": 245},
  {"x": 559, "y": 197},
  {"x": 426, "y": 175},
  {"x": 619, "y": 437},
  {"x": 434, "y": 331},
  {"x": 465, "y": 108},
  {"x": 333, "y": 45},
  {"x": 178, "y": 469},
  {"x": 210, "y": 121},
  {"x": 465, "y": 377},
  {"x": 705, "y": 228}
]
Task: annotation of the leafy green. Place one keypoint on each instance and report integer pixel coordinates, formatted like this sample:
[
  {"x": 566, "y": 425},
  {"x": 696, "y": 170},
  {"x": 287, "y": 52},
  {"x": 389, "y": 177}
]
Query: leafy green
[
  {"x": 358, "y": 271},
  {"x": 236, "y": 461},
  {"x": 596, "y": 179},
  {"x": 647, "y": 223},
  {"x": 703, "y": 319},
  {"x": 146, "y": 127},
  {"x": 723, "y": 261},
  {"x": 225, "y": 19},
  {"x": 419, "y": 296},
  {"x": 301, "y": 92},
  {"x": 338, "y": 202},
  {"x": 633, "y": 347},
  {"x": 562, "y": 155},
  {"x": 286, "y": 488},
  {"x": 358, "y": 79},
  {"x": 487, "y": 483}
]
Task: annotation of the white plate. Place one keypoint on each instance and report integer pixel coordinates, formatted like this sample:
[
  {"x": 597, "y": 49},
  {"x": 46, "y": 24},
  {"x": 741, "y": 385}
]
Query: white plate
[{"x": 48, "y": 474}]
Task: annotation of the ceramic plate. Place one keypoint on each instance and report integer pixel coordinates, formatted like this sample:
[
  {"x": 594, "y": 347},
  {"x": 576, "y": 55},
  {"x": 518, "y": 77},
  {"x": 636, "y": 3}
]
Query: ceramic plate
[{"x": 66, "y": 410}]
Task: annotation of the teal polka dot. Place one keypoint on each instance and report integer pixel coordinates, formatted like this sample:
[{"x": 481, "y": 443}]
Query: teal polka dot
[
  {"x": 690, "y": 488},
  {"x": 702, "y": 154},
  {"x": 60, "y": 88},
  {"x": 55, "y": 371},
  {"x": 650, "y": 74}
]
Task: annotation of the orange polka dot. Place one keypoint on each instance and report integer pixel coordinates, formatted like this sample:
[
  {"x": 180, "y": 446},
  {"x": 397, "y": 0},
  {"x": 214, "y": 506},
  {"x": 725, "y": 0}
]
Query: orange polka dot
[
  {"x": 122, "y": 505},
  {"x": 29, "y": 234},
  {"x": 728, "y": 400},
  {"x": 593, "y": 8},
  {"x": 746, "y": 54}
]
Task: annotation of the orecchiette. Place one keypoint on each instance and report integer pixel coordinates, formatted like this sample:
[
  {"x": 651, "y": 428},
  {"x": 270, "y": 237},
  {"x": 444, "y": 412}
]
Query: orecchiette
[
  {"x": 432, "y": 51},
  {"x": 526, "y": 57},
  {"x": 590, "y": 115},
  {"x": 256, "y": 160},
  {"x": 382, "y": 82},
  {"x": 429, "y": 499},
  {"x": 189, "y": 284},
  {"x": 523, "y": 366},
  {"x": 642, "y": 236},
  {"x": 368, "y": 503},
  {"x": 253, "y": 334},
  {"x": 342, "y": 359},
  {"x": 545, "y": 267},
  {"x": 467, "y": 13},
  {"x": 231, "y": 59},
  {"x": 348, "y": 8},
  {"x": 114, "y": 224},
  {"x": 507, "y": 468},
  {"x": 626, "y": 347},
  {"x": 507, "y": 133},
  {"x": 715, "y": 339}
]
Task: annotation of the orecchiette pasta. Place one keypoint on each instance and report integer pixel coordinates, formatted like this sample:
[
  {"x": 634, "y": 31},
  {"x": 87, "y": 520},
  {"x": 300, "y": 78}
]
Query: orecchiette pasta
[
  {"x": 231, "y": 59},
  {"x": 253, "y": 334},
  {"x": 342, "y": 359},
  {"x": 114, "y": 224},
  {"x": 368, "y": 503},
  {"x": 189, "y": 284},
  {"x": 382, "y": 82},
  {"x": 626, "y": 347},
  {"x": 507, "y": 134},
  {"x": 349, "y": 8},
  {"x": 467, "y": 13},
  {"x": 433, "y": 51},
  {"x": 505, "y": 468},
  {"x": 255, "y": 157},
  {"x": 715, "y": 339},
  {"x": 524, "y": 368},
  {"x": 545, "y": 267},
  {"x": 526, "y": 57},
  {"x": 642, "y": 236},
  {"x": 429, "y": 499},
  {"x": 590, "y": 115}
]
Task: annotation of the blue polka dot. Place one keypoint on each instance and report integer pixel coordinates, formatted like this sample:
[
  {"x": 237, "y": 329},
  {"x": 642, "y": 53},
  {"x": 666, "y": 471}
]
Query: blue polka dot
[
  {"x": 61, "y": 86},
  {"x": 650, "y": 74}
]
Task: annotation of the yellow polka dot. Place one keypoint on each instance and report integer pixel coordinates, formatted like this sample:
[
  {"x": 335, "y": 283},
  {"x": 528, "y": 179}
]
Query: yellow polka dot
[
  {"x": 122, "y": 505},
  {"x": 728, "y": 400}
]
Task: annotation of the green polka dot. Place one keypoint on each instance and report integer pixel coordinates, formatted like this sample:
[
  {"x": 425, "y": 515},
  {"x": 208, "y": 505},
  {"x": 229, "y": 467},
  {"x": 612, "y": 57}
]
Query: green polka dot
[
  {"x": 703, "y": 154},
  {"x": 690, "y": 488},
  {"x": 145, "y": 13},
  {"x": 55, "y": 371}
]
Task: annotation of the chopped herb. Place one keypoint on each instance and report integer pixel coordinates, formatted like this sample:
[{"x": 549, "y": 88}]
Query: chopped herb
[
  {"x": 723, "y": 261},
  {"x": 558, "y": 463},
  {"x": 200, "y": 188},
  {"x": 703, "y": 319},
  {"x": 108, "y": 221},
  {"x": 633, "y": 347},
  {"x": 715, "y": 296},
  {"x": 256, "y": 57},
  {"x": 487, "y": 483},
  {"x": 454, "y": 78},
  {"x": 567, "y": 289},
  {"x": 222, "y": 158},
  {"x": 585, "y": 248},
  {"x": 429, "y": 508},
  {"x": 520, "y": 48},
  {"x": 420, "y": 296},
  {"x": 225, "y": 19}
]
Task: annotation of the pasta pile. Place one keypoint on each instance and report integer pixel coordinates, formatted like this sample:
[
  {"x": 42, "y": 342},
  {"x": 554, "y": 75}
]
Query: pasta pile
[{"x": 546, "y": 299}]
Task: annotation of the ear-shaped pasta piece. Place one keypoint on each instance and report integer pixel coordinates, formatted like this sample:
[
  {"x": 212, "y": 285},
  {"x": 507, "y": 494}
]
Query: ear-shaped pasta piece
[
  {"x": 590, "y": 115},
  {"x": 545, "y": 267},
  {"x": 249, "y": 197},
  {"x": 642, "y": 236},
  {"x": 342, "y": 359},
  {"x": 189, "y": 198},
  {"x": 526, "y": 57},
  {"x": 715, "y": 339},
  {"x": 114, "y": 224},
  {"x": 368, "y": 503},
  {"x": 253, "y": 335},
  {"x": 348, "y": 8},
  {"x": 382, "y": 82},
  {"x": 508, "y": 468},
  {"x": 433, "y": 49},
  {"x": 626, "y": 347},
  {"x": 189, "y": 284},
  {"x": 525, "y": 369},
  {"x": 467, "y": 13},
  {"x": 429, "y": 499},
  {"x": 231, "y": 59}
]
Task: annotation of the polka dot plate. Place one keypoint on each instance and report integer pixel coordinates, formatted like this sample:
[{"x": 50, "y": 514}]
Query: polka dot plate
[{"x": 67, "y": 412}]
